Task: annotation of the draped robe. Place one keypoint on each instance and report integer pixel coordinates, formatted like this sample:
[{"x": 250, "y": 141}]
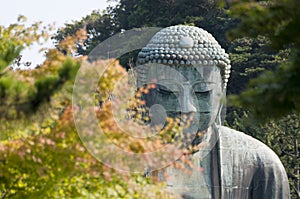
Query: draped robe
[{"x": 236, "y": 167}]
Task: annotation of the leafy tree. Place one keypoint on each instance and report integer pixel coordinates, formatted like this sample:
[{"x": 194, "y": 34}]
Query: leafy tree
[
  {"x": 249, "y": 58},
  {"x": 15, "y": 38},
  {"x": 41, "y": 154},
  {"x": 98, "y": 26},
  {"x": 274, "y": 93},
  {"x": 22, "y": 92},
  {"x": 128, "y": 14}
]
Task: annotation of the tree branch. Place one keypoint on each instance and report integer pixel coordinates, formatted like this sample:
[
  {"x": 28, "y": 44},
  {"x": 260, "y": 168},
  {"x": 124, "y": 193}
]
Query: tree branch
[{"x": 5, "y": 71}]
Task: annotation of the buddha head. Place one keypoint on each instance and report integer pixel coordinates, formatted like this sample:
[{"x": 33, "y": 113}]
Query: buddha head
[{"x": 190, "y": 71}]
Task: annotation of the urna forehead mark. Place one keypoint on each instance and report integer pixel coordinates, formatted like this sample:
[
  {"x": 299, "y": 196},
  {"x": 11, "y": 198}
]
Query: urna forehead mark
[{"x": 186, "y": 46}]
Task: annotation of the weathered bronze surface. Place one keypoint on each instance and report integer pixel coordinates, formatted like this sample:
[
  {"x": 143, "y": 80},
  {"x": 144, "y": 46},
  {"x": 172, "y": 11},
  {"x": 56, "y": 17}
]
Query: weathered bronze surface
[{"x": 191, "y": 71}]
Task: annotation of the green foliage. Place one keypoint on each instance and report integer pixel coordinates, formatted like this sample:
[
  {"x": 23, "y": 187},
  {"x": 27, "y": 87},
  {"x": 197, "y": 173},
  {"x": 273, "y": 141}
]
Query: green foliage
[
  {"x": 41, "y": 154},
  {"x": 98, "y": 26},
  {"x": 249, "y": 57},
  {"x": 15, "y": 38},
  {"x": 274, "y": 93},
  {"x": 23, "y": 94},
  {"x": 54, "y": 164},
  {"x": 129, "y": 14},
  {"x": 47, "y": 85}
]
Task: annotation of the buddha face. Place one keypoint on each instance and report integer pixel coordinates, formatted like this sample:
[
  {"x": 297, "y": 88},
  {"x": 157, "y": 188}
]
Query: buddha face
[{"x": 184, "y": 91}]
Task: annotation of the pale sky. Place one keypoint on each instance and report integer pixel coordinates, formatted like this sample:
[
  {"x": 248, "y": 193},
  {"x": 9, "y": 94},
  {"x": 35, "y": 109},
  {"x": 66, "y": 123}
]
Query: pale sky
[{"x": 58, "y": 11}]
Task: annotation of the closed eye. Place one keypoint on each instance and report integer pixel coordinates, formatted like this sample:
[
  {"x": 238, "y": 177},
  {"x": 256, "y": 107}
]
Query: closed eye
[
  {"x": 165, "y": 90},
  {"x": 203, "y": 87},
  {"x": 202, "y": 92}
]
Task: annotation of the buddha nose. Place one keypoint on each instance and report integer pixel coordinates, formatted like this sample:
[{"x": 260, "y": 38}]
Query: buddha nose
[{"x": 187, "y": 102}]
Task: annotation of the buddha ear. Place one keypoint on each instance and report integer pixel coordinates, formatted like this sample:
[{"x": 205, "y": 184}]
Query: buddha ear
[
  {"x": 222, "y": 109},
  {"x": 132, "y": 78},
  {"x": 220, "y": 118},
  {"x": 141, "y": 72}
]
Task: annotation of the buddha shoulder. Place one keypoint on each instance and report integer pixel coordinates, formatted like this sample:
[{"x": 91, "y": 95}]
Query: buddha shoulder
[{"x": 239, "y": 143}]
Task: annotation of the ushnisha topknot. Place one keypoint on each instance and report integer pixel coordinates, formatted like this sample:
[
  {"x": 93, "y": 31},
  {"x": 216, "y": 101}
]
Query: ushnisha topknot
[{"x": 185, "y": 46}]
